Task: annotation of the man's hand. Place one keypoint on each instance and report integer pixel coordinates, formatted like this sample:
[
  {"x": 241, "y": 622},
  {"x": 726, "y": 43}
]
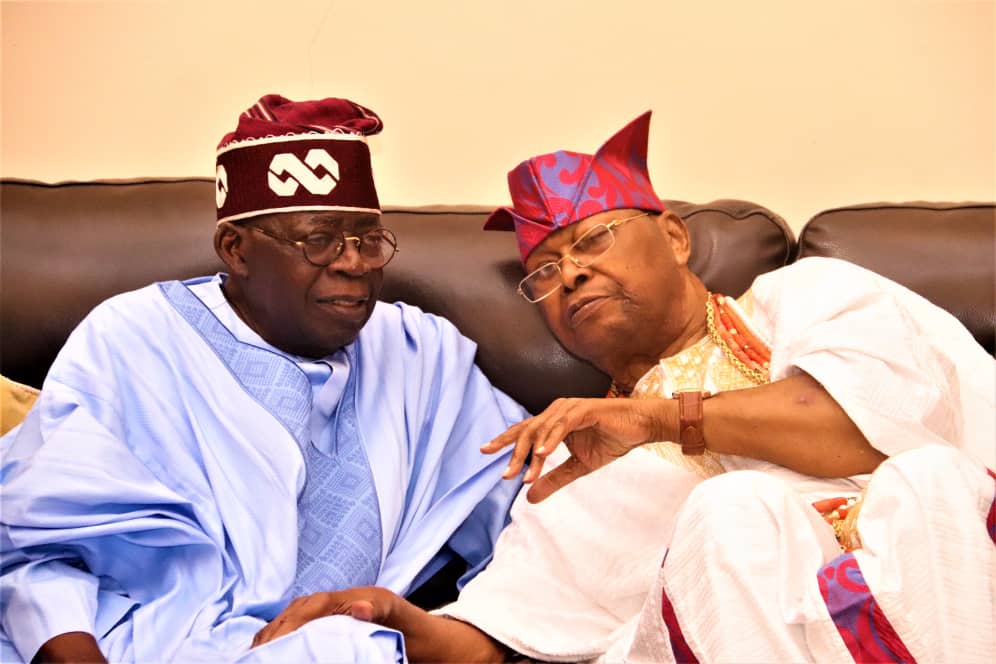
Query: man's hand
[
  {"x": 596, "y": 431},
  {"x": 792, "y": 422},
  {"x": 70, "y": 647},
  {"x": 428, "y": 638},
  {"x": 368, "y": 603}
]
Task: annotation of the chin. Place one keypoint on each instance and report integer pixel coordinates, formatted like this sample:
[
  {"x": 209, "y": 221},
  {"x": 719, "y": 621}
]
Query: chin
[
  {"x": 583, "y": 346},
  {"x": 592, "y": 339},
  {"x": 337, "y": 334},
  {"x": 339, "y": 342}
]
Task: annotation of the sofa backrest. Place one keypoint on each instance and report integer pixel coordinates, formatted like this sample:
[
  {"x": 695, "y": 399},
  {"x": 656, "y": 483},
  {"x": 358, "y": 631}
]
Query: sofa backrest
[
  {"x": 64, "y": 248},
  {"x": 946, "y": 252},
  {"x": 449, "y": 266}
]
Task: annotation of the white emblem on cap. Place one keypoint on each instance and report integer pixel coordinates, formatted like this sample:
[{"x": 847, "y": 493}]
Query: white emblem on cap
[
  {"x": 221, "y": 186},
  {"x": 303, "y": 174}
]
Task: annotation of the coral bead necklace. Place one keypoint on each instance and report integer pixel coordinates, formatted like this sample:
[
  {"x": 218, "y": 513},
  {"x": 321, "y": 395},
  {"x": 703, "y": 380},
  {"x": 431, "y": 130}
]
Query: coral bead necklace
[{"x": 732, "y": 331}]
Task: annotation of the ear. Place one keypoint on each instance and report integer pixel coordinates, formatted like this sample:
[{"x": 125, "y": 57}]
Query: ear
[
  {"x": 230, "y": 245},
  {"x": 676, "y": 231}
]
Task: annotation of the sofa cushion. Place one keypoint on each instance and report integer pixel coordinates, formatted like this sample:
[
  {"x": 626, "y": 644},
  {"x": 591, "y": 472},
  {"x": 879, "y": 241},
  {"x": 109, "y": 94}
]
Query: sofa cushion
[{"x": 946, "y": 252}]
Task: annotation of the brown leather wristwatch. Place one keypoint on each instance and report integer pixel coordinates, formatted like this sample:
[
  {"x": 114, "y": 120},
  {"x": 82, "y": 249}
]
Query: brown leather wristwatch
[{"x": 690, "y": 421}]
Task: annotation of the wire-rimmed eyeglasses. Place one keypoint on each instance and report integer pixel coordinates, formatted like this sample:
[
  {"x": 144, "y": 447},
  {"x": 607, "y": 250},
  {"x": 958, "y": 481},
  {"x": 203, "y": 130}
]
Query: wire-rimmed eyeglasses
[
  {"x": 321, "y": 248},
  {"x": 546, "y": 279}
]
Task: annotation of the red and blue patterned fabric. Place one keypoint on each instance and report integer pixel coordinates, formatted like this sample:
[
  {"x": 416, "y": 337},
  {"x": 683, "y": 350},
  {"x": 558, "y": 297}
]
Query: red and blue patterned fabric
[
  {"x": 864, "y": 628},
  {"x": 554, "y": 190}
]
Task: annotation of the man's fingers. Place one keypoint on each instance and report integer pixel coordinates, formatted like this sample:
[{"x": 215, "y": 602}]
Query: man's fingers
[
  {"x": 554, "y": 435},
  {"x": 266, "y": 634},
  {"x": 535, "y": 436},
  {"x": 523, "y": 436},
  {"x": 363, "y": 610},
  {"x": 525, "y": 427},
  {"x": 542, "y": 443},
  {"x": 283, "y": 628},
  {"x": 535, "y": 468},
  {"x": 518, "y": 458},
  {"x": 299, "y": 611},
  {"x": 556, "y": 479},
  {"x": 502, "y": 441},
  {"x": 273, "y": 630},
  {"x": 540, "y": 435}
]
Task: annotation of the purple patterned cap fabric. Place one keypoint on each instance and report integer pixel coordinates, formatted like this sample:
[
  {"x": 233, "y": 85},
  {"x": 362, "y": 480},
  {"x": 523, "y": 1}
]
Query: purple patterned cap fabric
[{"x": 558, "y": 189}]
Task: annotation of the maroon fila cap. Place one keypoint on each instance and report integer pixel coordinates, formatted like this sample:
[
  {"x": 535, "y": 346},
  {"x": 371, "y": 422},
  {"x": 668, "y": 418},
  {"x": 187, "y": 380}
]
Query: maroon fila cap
[{"x": 288, "y": 156}]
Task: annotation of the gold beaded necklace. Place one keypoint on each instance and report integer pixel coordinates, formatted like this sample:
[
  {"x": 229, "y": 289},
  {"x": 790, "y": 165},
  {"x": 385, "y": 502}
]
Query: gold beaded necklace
[{"x": 741, "y": 344}]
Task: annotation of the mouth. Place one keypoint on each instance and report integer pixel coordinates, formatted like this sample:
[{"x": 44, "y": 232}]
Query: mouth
[
  {"x": 347, "y": 306},
  {"x": 584, "y": 307}
]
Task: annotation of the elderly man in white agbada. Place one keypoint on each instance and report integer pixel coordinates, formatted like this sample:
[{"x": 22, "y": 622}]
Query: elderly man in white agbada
[{"x": 806, "y": 459}]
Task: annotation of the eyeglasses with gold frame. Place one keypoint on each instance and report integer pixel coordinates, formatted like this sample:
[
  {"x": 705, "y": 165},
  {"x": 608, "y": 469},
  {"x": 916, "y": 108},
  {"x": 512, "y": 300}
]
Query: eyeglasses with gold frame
[
  {"x": 322, "y": 248},
  {"x": 544, "y": 281}
]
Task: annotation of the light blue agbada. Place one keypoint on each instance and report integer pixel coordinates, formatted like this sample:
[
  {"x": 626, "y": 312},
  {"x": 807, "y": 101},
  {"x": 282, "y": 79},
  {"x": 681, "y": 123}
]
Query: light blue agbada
[{"x": 152, "y": 495}]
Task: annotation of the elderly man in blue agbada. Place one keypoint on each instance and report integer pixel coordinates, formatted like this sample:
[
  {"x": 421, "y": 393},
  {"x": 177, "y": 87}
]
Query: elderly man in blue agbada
[{"x": 204, "y": 452}]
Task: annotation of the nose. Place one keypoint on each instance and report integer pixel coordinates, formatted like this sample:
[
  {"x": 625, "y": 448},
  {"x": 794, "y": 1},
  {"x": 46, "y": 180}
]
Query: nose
[
  {"x": 350, "y": 260},
  {"x": 572, "y": 275}
]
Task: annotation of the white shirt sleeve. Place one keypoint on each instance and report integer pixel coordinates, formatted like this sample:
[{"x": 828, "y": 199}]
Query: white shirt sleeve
[{"x": 906, "y": 372}]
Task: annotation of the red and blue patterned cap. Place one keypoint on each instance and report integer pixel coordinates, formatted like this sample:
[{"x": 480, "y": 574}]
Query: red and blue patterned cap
[{"x": 561, "y": 188}]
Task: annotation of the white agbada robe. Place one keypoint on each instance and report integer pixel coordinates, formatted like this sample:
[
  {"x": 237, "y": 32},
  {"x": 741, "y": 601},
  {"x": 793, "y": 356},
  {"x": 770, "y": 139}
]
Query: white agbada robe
[{"x": 574, "y": 577}]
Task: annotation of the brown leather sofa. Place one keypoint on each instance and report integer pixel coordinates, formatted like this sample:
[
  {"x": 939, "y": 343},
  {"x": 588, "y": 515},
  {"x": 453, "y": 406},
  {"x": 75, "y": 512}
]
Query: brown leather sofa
[{"x": 65, "y": 247}]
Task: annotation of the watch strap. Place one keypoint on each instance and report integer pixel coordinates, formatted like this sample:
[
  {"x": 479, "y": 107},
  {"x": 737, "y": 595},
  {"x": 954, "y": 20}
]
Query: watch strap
[{"x": 690, "y": 435}]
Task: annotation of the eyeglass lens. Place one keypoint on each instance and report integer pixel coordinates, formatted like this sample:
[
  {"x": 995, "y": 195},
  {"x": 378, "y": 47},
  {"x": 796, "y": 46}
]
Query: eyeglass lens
[
  {"x": 585, "y": 250},
  {"x": 376, "y": 246}
]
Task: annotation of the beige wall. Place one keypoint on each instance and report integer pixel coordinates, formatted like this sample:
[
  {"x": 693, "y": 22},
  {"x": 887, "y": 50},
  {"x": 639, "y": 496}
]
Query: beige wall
[{"x": 796, "y": 104}]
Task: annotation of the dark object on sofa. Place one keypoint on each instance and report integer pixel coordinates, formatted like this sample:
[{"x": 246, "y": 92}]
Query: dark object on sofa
[{"x": 66, "y": 247}]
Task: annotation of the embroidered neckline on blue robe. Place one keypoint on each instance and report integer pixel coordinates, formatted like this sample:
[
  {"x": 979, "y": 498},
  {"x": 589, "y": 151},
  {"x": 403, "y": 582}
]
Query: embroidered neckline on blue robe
[{"x": 339, "y": 528}]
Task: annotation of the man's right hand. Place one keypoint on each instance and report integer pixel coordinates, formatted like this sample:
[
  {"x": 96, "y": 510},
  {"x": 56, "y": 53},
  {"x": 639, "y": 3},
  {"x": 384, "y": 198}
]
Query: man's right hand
[
  {"x": 370, "y": 604},
  {"x": 70, "y": 647},
  {"x": 428, "y": 638}
]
